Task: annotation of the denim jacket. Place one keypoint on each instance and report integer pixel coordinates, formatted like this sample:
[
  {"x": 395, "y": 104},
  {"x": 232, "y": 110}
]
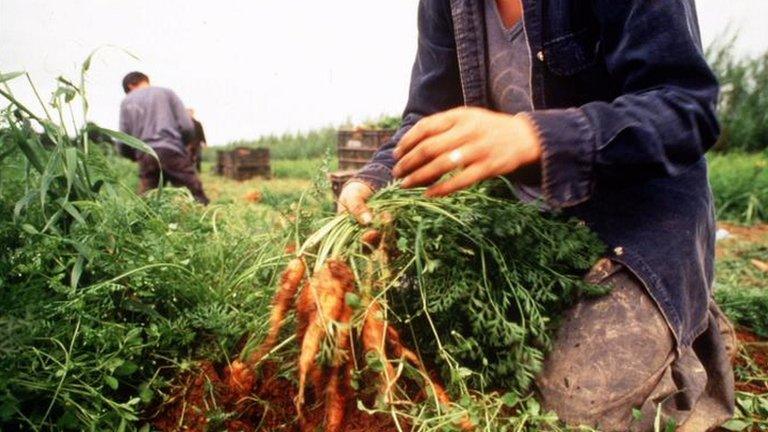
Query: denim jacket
[{"x": 625, "y": 105}]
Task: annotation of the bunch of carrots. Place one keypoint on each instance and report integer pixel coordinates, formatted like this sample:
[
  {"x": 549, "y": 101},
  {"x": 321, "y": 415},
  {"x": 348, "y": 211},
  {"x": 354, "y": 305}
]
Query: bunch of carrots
[{"x": 325, "y": 317}]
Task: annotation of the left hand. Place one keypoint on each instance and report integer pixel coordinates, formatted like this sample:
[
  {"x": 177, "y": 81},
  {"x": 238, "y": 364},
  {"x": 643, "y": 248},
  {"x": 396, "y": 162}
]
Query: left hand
[{"x": 480, "y": 142}]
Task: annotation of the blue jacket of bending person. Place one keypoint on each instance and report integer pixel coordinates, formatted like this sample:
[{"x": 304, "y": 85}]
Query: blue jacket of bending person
[{"x": 625, "y": 103}]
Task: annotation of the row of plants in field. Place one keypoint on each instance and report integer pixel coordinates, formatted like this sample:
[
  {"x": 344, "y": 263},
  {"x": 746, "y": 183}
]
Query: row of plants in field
[
  {"x": 300, "y": 145},
  {"x": 314, "y": 144}
]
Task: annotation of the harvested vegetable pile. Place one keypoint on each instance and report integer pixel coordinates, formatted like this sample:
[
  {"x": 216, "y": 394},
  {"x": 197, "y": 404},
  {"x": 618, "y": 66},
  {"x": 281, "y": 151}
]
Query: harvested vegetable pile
[{"x": 424, "y": 316}]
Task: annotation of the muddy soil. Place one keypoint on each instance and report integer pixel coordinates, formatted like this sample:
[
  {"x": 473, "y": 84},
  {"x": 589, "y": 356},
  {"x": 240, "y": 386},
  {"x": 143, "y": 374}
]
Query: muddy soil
[
  {"x": 209, "y": 399},
  {"x": 757, "y": 352}
]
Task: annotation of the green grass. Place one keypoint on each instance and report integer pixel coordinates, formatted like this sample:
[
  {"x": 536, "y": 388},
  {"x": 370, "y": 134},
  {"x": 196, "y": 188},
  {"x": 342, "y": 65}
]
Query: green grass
[
  {"x": 741, "y": 290},
  {"x": 305, "y": 169},
  {"x": 740, "y": 186},
  {"x": 741, "y": 286}
]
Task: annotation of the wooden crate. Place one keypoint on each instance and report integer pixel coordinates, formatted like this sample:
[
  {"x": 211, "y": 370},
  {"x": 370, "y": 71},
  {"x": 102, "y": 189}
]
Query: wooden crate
[
  {"x": 354, "y": 158},
  {"x": 364, "y": 138},
  {"x": 338, "y": 179},
  {"x": 243, "y": 163},
  {"x": 357, "y": 147}
]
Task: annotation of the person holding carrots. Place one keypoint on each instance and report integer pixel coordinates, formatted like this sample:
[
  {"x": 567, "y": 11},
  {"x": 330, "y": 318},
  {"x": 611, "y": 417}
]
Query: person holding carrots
[{"x": 601, "y": 111}]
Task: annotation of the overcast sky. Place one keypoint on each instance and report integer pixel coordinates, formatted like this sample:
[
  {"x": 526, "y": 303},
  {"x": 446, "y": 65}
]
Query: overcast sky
[{"x": 255, "y": 67}]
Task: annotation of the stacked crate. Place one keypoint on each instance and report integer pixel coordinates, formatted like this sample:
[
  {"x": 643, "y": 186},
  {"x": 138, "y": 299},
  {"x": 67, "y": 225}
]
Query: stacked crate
[
  {"x": 357, "y": 147},
  {"x": 243, "y": 163},
  {"x": 338, "y": 179}
]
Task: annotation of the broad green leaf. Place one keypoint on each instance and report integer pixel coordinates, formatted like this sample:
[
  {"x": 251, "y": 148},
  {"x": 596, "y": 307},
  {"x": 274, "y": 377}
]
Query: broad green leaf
[
  {"x": 47, "y": 178},
  {"x": 735, "y": 425},
  {"x": 77, "y": 271},
  {"x": 510, "y": 399},
  {"x": 28, "y": 148},
  {"x": 74, "y": 212},
  {"x": 111, "y": 382},
  {"x": 352, "y": 300},
  {"x": 29, "y": 229},
  {"x": 70, "y": 162},
  {"x": 145, "y": 393},
  {"x": 10, "y": 75},
  {"x": 122, "y": 425},
  {"x": 82, "y": 249},
  {"x": 533, "y": 407},
  {"x": 127, "y": 140},
  {"x": 113, "y": 363},
  {"x": 126, "y": 368},
  {"x": 23, "y": 203}
]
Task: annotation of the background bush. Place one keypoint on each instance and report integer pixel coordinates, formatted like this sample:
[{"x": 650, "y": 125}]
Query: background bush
[
  {"x": 317, "y": 143},
  {"x": 743, "y": 107}
]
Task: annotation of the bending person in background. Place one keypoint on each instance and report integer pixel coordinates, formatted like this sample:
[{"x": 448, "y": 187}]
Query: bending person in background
[
  {"x": 196, "y": 141},
  {"x": 610, "y": 105},
  {"x": 157, "y": 116}
]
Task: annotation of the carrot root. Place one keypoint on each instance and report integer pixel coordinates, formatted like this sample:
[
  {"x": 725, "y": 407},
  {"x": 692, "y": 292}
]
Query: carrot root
[{"x": 289, "y": 284}]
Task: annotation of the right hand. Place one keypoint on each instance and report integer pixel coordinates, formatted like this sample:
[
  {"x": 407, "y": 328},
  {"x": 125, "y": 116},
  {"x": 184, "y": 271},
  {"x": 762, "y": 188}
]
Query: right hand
[{"x": 352, "y": 200}]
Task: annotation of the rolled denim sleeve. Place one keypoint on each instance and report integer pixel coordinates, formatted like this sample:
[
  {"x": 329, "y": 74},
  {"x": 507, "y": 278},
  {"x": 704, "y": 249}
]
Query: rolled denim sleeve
[
  {"x": 435, "y": 85},
  {"x": 663, "y": 120},
  {"x": 568, "y": 155}
]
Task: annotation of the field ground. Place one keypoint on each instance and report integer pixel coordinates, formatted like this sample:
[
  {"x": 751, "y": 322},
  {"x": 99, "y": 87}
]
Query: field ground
[
  {"x": 742, "y": 255},
  {"x": 218, "y": 255}
]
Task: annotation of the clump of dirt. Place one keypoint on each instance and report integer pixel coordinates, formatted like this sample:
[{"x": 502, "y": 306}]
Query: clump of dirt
[
  {"x": 253, "y": 196},
  {"x": 235, "y": 400},
  {"x": 750, "y": 234}
]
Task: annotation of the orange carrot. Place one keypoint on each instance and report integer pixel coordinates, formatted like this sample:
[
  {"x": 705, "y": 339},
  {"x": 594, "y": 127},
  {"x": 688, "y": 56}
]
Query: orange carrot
[
  {"x": 336, "y": 399},
  {"x": 338, "y": 387},
  {"x": 374, "y": 329},
  {"x": 393, "y": 340},
  {"x": 371, "y": 238},
  {"x": 289, "y": 284},
  {"x": 328, "y": 288},
  {"x": 239, "y": 378}
]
